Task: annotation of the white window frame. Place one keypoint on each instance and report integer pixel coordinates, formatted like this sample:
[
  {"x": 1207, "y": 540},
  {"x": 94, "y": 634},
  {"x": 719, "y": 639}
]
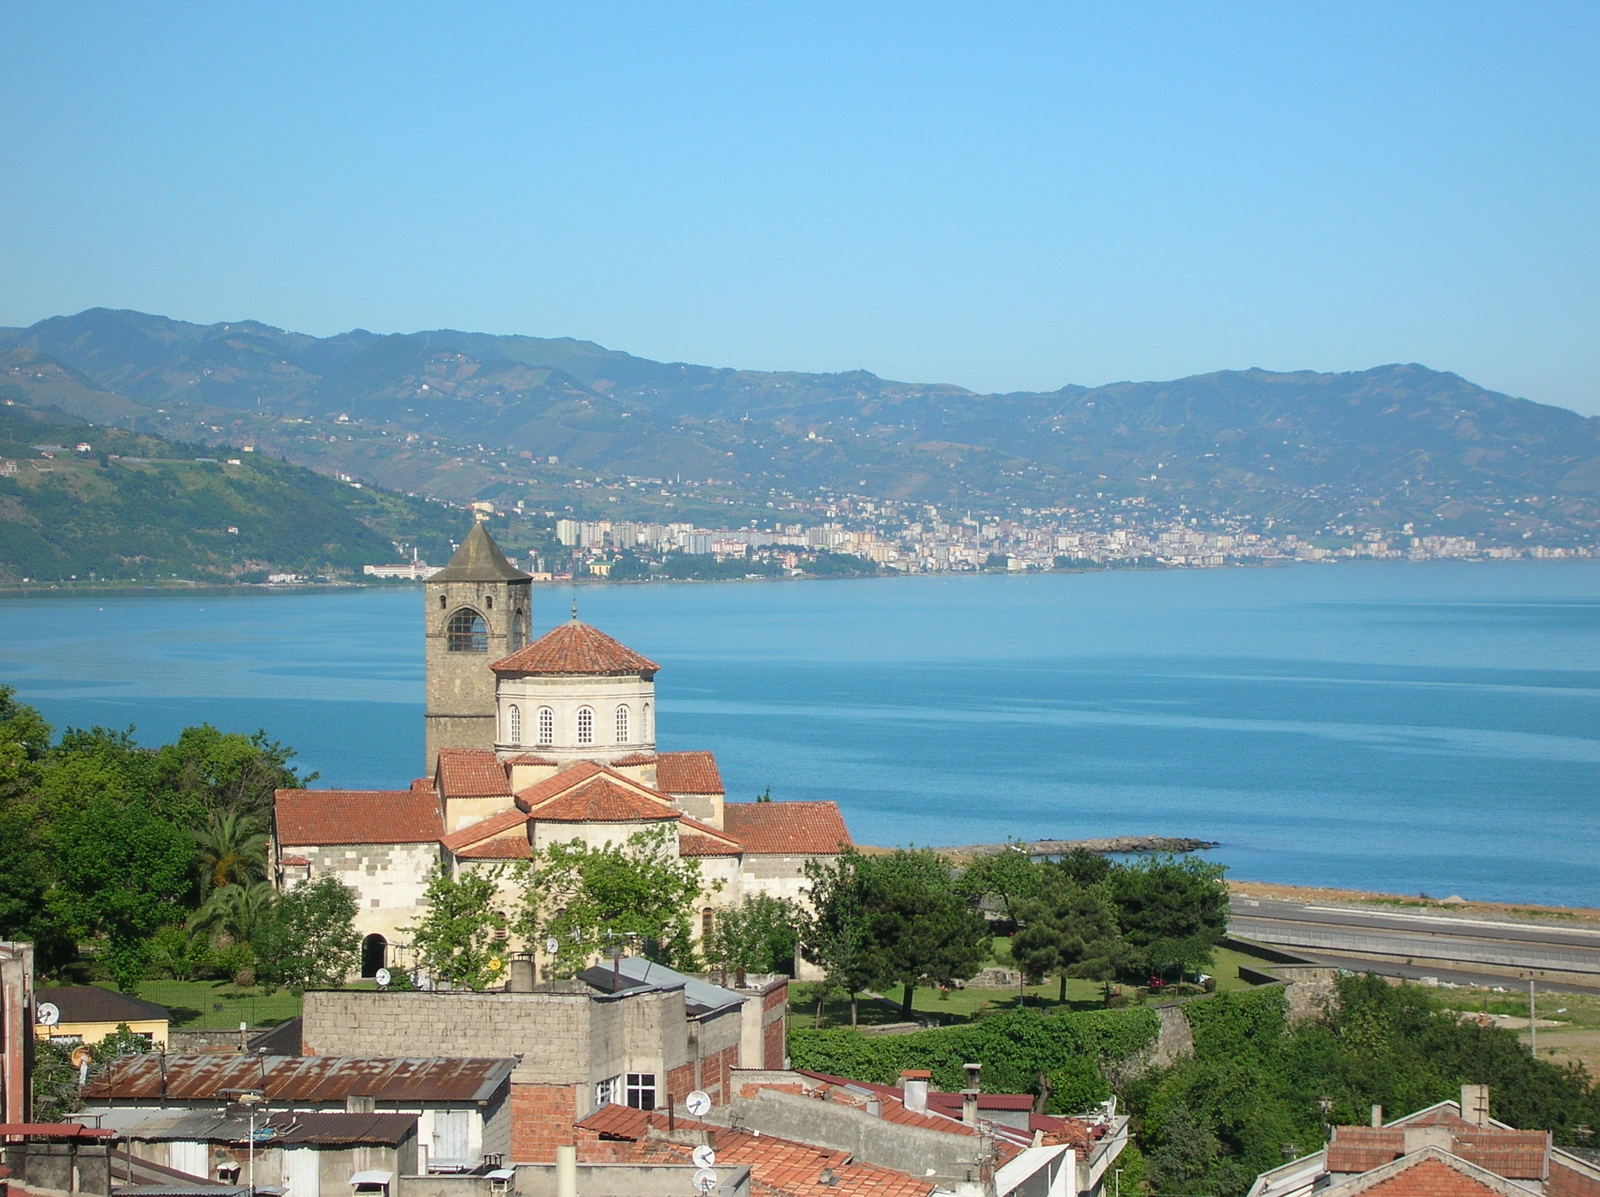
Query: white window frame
[
  {"x": 622, "y": 724},
  {"x": 608, "y": 1091},
  {"x": 641, "y": 1088},
  {"x": 547, "y": 726},
  {"x": 585, "y": 725}
]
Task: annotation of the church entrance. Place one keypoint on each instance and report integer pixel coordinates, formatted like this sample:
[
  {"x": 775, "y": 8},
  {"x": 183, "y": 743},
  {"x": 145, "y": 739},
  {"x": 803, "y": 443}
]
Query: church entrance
[{"x": 374, "y": 955}]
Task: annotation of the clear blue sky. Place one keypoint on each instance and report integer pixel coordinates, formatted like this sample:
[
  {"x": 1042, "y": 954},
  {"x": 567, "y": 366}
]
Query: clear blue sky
[{"x": 1004, "y": 196}]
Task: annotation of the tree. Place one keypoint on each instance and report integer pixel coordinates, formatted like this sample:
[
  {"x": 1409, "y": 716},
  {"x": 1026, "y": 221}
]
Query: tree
[
  {"x": 206, "y": 771},
  {"x": 1069, "y": 929},
  {"x": 921, "y": 925},
  {"x": 1010, "y": 877},
  {"x": 837, "y": 934},
  {"x": 1172, "y": 911},
  {"x": 234, "y": 921},
  {"x": 592, "y": 900},
  {"x": 231, "y": 849},
  {"x": 310, "y": 941},
  {"x": 757, "y": 936},
  {"x": 461, "y": 938}
]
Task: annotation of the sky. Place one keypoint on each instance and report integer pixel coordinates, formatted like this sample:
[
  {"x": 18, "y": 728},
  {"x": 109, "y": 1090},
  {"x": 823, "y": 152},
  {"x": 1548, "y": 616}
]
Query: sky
[{"x": 1006, "y": 196}]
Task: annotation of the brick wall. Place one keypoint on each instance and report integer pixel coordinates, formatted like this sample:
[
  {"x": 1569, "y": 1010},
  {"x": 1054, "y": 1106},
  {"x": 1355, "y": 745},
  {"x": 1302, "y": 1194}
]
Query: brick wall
[
  {"x": 774, "y": 1046},
  {"x": 541, "y": 1120}
]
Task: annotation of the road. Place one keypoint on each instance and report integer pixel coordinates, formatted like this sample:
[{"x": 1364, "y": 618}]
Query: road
[{"x": 1451, "y": 947}]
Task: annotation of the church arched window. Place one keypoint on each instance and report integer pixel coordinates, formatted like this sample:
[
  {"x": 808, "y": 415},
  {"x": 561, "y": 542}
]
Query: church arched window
[
  {"x": 513, "y": 724},
  {"x": 585, "y": 725},
  {"x": 547, "y": 726},
  {"x": 645, "y": 730},
  {"x": 467, "y": 633},
  {"x": 622, "y": 725}
]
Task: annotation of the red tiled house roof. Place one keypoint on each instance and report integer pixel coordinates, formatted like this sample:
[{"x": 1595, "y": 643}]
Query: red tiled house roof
[
  {"x": 357, "y": 817},
  {"x": 795, "y": 828},
  {"x": 475, "y": 836},
  {"x": 601, "y": 800},
  {"x": 471, "y": 773},
  {"x": 576, "y": 648},
  {"x": 559, "y": 783},
  {"x": 1430, "y": 1176},
  {"x": 701, "y": 839},
  {"x": 689, "y": 773}
]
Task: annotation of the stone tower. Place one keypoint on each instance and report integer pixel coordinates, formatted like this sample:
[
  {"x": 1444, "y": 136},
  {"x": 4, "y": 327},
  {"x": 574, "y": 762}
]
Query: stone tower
[{"x": 479, "y": 609}]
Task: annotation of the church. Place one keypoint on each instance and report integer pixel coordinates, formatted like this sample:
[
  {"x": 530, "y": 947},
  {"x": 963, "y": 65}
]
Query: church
[{"x": 530, "y": 743}]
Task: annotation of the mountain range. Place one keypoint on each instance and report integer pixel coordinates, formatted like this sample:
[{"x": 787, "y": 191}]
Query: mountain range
[{"x": 466, "y": 415}]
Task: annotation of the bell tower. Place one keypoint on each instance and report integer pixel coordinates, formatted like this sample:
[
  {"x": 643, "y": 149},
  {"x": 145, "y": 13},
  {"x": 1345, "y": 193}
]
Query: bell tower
[{"x": 479, "y": 609}]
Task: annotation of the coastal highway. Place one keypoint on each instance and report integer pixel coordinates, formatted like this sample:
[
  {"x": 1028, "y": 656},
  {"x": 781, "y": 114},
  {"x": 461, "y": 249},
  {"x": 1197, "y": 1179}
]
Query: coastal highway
[{"x": 1452, "y": 947}]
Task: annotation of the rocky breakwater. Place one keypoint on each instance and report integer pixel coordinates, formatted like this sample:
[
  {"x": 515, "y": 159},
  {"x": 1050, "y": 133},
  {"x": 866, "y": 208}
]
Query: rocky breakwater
[{"x": 1106, "y": 844}]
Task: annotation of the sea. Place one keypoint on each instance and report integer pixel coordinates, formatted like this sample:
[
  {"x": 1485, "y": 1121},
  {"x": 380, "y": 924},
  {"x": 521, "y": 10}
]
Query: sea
[{"x": 1415, "y": 728}]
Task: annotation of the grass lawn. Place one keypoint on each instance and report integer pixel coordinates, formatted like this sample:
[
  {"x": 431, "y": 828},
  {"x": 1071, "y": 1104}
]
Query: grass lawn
[
  {"x": 961, "y": 1005},
  {"x": 219, "y": 1005}
]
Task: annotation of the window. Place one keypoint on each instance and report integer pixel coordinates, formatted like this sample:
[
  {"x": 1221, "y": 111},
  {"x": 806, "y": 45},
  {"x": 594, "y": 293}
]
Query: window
[
  {"x": 708, "y": 921},
  {"x": 467, "y": 633},
  {"x": 608, "y": 1091},
  {"x": 547, "y": 726},
  {"x": 585, "y": 725},
  {"x": 644, "y": 724},
  {"x": 642, "y": 1090},
  {"x": 513, "y": 724},
  {"x": 622, "y": 725}
]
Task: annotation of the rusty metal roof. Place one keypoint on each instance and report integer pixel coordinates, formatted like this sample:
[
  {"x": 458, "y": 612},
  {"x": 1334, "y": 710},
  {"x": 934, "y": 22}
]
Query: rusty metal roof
[
  {"x": 299, "y": 1079},
  {"x": 279, "y": 1129}
]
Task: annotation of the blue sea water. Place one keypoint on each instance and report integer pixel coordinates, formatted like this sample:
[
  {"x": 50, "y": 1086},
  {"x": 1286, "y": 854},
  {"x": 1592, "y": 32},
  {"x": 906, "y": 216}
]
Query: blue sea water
[{"x": 1430, "y": 727}]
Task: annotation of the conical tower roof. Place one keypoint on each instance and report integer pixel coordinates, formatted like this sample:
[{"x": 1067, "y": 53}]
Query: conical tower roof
[
  {"x": 479, "y": 559},
  {"x": 575, "y": 647}
]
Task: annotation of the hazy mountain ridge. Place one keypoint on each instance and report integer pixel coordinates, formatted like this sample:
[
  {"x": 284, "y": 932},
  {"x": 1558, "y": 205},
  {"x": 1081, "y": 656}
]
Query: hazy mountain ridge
[{"x": 1368, "y": 448}]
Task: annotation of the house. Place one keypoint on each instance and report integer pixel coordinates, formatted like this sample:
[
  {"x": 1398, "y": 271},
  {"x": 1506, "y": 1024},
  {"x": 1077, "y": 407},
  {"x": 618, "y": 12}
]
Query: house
[
  {"x": 629, "y": 1032},
  {"x": 87, "y": 1014},
  {"x": 971, "y": 1144},
  {"x": 1450, "y": 1149},
  {"x": 461, "y": 1108},
  {"x": 532, "y": 742}
]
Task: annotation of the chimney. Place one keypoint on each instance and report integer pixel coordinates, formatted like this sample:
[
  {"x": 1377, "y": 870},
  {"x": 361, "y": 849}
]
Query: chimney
[
  {"x": 566, "y": 1170},
  {"x": 972, "y": 1075},
  {"x": 969, "y": 1106},
  {"x": 875, "y": 1107},
  {"x": 914, "y": 1084},
  {"x": 1475, "y": 1104},
  {"x": 1377, "y": 1116}
]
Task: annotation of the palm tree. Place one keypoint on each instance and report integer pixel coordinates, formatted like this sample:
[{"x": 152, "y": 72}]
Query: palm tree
[{"x": 232, "y": 850}]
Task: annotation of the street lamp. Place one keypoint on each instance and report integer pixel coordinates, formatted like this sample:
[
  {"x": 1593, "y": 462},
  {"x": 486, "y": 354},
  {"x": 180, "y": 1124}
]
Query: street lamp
[{"x": 250, "y": 1099}]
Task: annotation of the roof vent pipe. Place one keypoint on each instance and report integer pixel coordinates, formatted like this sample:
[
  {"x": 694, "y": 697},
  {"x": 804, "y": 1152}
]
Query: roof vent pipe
[
  {"x": 1377, "y": 1115},
  {"x": 914, "y": 1083},
  {"x": 875, "y": 1107},
  {"x": 972, "y": 1075},
  {"x": 969, "y": 1106}
]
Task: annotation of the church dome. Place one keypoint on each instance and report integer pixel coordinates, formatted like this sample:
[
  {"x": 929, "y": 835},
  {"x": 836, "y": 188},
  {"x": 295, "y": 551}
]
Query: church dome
[{"x": 575, "y": 648}]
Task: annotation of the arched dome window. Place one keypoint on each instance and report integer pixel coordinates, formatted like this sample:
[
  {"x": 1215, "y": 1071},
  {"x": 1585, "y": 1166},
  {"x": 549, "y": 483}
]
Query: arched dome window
[
  {"x": 585, "y": 725},
  {"x": 622, "y": 725},
  {"x": 547, "y": 726},
  {"x": 514, "y": 724},
  {"x": 467, "y": 633}
]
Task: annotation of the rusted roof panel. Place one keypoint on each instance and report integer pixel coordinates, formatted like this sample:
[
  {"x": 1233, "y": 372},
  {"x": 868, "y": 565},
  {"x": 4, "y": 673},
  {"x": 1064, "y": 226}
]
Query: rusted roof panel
[{"x": 300, "y": 1079}]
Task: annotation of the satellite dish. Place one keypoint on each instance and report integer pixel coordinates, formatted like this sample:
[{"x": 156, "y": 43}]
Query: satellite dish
[
  {"x": 552, "y": 946},
  {"x": 697, "y": 1103},
  {"x": 705, "y": 1180},
  {"x": 81, "y": 1056},
  {"x": 383, "y": 977},
  {"x": 48, "y": 1014},
  {"x": 703, "y": 1156}
]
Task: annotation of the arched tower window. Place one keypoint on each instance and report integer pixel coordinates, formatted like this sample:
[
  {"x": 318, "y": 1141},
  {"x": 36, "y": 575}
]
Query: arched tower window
[
  {"x": 622, "y": 725},
  {"x": 585, "y": 725},
  {"x": 514, "y": 724},
  {"x": 645, "y": 730},
  {"x": 547, "y": 726},
  {"x": 708, "y": 923},
  {"x": 467, "y": 633}
]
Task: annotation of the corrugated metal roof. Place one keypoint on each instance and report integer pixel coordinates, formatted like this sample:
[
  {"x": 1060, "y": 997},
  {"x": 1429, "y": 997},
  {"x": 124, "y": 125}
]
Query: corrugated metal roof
[
  {"x": 283, "y": 1129},
  {"x": 299, "y": 1079},
  {"x": 699, "y": 997}
]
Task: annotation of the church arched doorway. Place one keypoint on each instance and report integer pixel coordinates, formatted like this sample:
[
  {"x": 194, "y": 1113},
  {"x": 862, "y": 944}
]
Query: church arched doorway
[{"x": 374, "y": 954}]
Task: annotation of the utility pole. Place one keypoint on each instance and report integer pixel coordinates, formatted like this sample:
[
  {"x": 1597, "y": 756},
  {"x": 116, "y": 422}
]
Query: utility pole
[{"x": 1533, "y": 1031}]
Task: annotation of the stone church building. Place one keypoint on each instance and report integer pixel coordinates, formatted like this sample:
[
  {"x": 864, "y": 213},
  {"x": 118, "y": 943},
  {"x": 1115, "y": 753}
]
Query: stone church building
[{"x": 533, "y": 742}]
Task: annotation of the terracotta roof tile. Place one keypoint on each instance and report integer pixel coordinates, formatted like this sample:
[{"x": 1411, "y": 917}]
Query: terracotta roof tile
[
  {"x": 483, "y": 830},
  {"x": 547, "y": 788},
  {"x": 634, "y": 759},
  {"x": 1430, "y": 1178},
  {"x": 689, "y": 773},
  {"x": 601, "y": 800},
  {"x": 357, "y": 817},
  {"x": 422, "y": 785},
  {"x": 622, "y": 1121},
  {"x": 576, "y": 648},
  {"x": 295, "y": 861},
  {"x": 506, "y": 849},
  {"x": 528, "y": 758},
  {"x": 704, "y": 845},
  {"x": 798, "y": 828},
  {"x": 1567, "y": 1181},
  {"x": 471, "y": 773}
]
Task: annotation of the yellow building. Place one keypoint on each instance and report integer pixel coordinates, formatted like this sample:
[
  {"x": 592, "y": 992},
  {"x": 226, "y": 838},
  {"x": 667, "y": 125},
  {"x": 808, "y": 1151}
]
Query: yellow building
[{"x": 87, "y": 1014}]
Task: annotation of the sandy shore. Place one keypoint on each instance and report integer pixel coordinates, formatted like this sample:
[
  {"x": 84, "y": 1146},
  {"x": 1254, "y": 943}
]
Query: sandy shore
[{"x": 1354, "y": 897}]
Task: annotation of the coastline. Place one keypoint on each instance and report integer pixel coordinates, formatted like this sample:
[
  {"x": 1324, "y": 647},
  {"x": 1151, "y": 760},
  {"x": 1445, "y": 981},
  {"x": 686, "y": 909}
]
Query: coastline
[{"x": 1450, "y": 906}]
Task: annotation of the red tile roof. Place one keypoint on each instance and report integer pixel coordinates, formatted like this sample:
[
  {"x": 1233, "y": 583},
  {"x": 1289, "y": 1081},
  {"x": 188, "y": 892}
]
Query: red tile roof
[
  {"x": 1514, "y": 1154},
  {"x": 507, "y": 849},
  {"x": 528, "y": 758},
  {"x": 634, "y": 758},
  {"x": 357, "y": 817},
  {"x": 484, "y": 829},
  {"x": 797, "y": 828},
  {"x": 576, "y": 648},
  {"x": 778, "y": 1167},
  {"x": 1567, "y": 1181},
  {"x": 688, "y": 773},
  {"x": 547, "y": 788},
  {"x": 1430, "y": 1178},
  {"x": 602, "y": 800},
  {"x": 471, "y": 773}
]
